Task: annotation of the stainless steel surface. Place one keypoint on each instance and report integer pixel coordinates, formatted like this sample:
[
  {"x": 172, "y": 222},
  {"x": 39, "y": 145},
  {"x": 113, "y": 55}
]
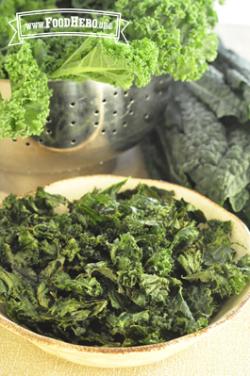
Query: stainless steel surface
[
  {"x": 89, "y": 126},
  {"x": 91, "y": 110}
]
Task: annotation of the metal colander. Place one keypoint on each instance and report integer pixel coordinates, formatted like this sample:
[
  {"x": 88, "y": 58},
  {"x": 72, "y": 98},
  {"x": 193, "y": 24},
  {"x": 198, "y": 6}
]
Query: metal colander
[
  {"x": 89, "y": 124},
  {"x": 91, "y": 112}
]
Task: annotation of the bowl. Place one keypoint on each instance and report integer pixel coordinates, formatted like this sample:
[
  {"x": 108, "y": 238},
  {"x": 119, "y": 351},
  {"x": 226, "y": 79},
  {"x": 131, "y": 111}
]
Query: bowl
[{"x": 142, "y": 355}]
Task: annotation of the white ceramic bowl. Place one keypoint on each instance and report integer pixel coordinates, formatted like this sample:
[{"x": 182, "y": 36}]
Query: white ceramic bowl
[{"x": 143, "y": 355}]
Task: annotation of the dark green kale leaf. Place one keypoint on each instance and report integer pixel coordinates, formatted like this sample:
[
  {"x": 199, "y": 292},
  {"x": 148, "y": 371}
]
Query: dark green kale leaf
[
  {"x": 201, "y": 301},
  {"x": 225, "y": 86},
  {"x": 198, "y": 150},
  {"x": 114, "y": 269},
  {"x": 223, "y": 279},
  {"x": 213, "y": 90},
  {"x": 236, "y": 71},
  {"x": 204, "y": 141}
]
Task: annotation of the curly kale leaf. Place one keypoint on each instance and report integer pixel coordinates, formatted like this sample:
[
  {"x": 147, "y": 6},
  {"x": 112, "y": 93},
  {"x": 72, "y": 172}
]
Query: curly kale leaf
[
  {"x": 180, "y": 44},
  {"x": 182, "y": 32},
  {"x": 174, "y": 37},
  {"x": 8, "y": 10},
  {"x": 93, "y": 4},
  {"x": 118, "y": 64},
  {"x": 164, "y": 37},
  {"x": 26, "y": 112},
  {"x": 114, "y": 269}
]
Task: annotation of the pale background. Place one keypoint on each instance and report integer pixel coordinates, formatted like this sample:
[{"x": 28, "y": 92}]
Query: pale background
[{"x": 235, "y": 12}]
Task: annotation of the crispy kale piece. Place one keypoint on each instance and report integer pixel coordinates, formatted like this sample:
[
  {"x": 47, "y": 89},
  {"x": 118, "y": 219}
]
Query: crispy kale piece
[{"x": 114, "y": 269}]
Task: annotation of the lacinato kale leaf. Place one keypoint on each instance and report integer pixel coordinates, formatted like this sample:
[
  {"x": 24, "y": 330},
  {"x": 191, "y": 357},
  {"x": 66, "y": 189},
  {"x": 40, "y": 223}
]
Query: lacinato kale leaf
[
  {"x": 114, "y": 268},
  {"x": 225, "y": 86},
  {"x": 203, "y": 143},
  {"x": 214, "y": 91}
]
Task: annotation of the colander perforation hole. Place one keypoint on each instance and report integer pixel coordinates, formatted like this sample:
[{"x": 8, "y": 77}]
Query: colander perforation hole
[
  {"x": 147, "y": 116},
  {"x": 14, "y": 140},
  {"x": 73, "y": 142},
  {"x": 115, "y": 113},
  {"x": 49, "y": 120},
  {"x": 73, "y": 123},
  {"x": 41, "y": 141},
  {"x": 114, "y": 131},
  {"x": 96, "y": 112},
  {"x": 27, "y": 144},
  {"x": 49, "y": 131},
  {"x": 125, "y": 93},
  {"x": 125, "y": 124},
  {"x": 147, "y": 97},
  {"x": 104, "y": 100},
  {"x": 72, "y": 104},
  {"x": 96, "y": 124},
  {"x": 131, "y": 113},
  {"x": 115, "y": 93},
  {"x": 132, "y": 100},
  {"x": 104, "y": 131}
]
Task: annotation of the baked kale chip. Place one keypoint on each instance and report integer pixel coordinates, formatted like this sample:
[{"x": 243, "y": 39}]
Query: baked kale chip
[{"x": 114, "y": 268}]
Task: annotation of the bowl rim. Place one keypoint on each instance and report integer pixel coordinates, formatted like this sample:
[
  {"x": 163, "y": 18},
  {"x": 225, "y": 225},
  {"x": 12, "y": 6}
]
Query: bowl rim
[{"x": 42, "y": 340}]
